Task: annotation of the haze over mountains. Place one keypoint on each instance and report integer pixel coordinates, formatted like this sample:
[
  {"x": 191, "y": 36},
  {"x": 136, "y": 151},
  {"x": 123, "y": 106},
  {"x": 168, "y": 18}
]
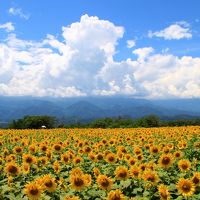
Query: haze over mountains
[{"x": 89, "y": 108}]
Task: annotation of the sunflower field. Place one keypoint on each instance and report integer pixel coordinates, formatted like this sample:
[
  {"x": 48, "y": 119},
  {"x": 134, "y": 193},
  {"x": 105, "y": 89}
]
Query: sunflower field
[{"x": 110, "y": 164}]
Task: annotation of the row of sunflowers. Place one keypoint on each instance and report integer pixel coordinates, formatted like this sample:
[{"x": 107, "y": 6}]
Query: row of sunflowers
[{"x": 110, "y": 164}]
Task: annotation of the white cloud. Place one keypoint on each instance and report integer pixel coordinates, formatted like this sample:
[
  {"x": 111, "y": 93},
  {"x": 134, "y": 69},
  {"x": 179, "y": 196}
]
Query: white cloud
[
  {"x": 18, "y": 12},
  {"x": 143, "y": 53},
  {"x": 7, "y": 26},
  {"x": 130, "y": 43},
  {"x": 164, "y": 76},
  {"x": 84, "y": 65},
  {"x": 175, "y": 31}
]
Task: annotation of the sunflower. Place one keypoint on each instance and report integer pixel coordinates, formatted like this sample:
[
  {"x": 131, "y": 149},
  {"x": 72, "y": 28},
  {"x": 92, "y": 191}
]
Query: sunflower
[
  {"x": 135, "y": 172},
  {"x": 5, "y": 152},
  {"x": 121, "y": 173},
  {"x": 142, "y": 167},
  {"x": 92, "y": 156},
  {"x": 196, "y": 178},
  {"x": 115, "y": 195},
  {"x": 154, "y": 150},
  {"x": 57, "y": 148},
  {"x": 140, "y": 157},
  {"x": 77, "y": 182},
  {"x": 12, "y": 169},
  {"x": 96, "y": 172},
  {"x": 99, "y": 156},
  {"x": 65, "y": 158},
  {"x": 43, "y": 147},
  {"x": 178, "y": 154},
  {"x": 26, "y": 168},
  {"x": 184, "y": 165},
  {"x": 48, "y": 154},
  {"x": 33, "y": 190},
  {"x": 18, "y": 150},
  {"x": 32, "y": 148},
  {"x": 110, "y": 158},
  {"x": 166, "y": 150},
  {"x": 76, "y": 171},
  {"x": 120, "y": 155},
  {"x": 77, "y": 160},
  {"x": 88, "y": 179},
  {"x": 170, "y": 146},
  {"x": 166, "y": 160},
  {"x": 71, "y": 198},
  {"x": 137, "y": 151},
  {"x": 131, "y": 161},
  {"x": 29, "y": 159},
  {"x": 185, "y": 187},
  {"x": 87, "y": 149},
  {"x": 104, "y": 182},
  {"x": 151, "y": 177},
  {"x": 197, "y": 145},
  {"x": 49, "y": 183},
  {"x": 42, "y": 161},
  {"x": 56, "y": 167},
  {"x": 163, "y": 192},
  {"x": 127, "y": 156}
]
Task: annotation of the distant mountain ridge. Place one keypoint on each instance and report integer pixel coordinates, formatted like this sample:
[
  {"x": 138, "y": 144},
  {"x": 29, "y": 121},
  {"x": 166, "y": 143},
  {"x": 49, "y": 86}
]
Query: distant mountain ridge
[{"x": 89, "y": 108}]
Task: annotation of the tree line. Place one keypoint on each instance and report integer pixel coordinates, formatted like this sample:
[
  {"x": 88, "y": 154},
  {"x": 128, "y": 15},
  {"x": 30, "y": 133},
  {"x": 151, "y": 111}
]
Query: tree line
[{"x": 37, "y": 122}]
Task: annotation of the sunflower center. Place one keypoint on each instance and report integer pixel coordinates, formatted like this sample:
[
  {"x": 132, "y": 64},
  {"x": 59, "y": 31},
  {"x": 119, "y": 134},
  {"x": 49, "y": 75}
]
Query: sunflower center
[
  {"x": 163, "y": 195},
  {"x": 44, "y": 148},
  {"x": 34, "y": 191},
  {"x": 184, "y": 166},
  {"x": 57, "y": 147},
  {"x": 136, "y": 173},
  {"x": 78, "y": 160},
  {"x": 132, "y": 162},
  {"x": 123, "y": 174},
  {"x": 29, "y": 160},
  {"x": 195, "y": 180},
  {"x": 87, "y": 149},
  {"x": 13, "y": 169},
  {"x": 105, "y": 183},
  {"x": 111, "y": 158},
  {"x": 78, "y": 182},
  {"x": 18, "y": 150},
  {"x": 151, "y": 178},
  {"x": 49, "y": 184},
  {"x": 99, "y": 157},
  {"x": 139, "y": 157},
  {"x": 116, "y": 197},
  {"x": 186, "y": 187},
  {"x": 66, "y": 159},
  {"x": 177, "y": 155},
  {"x": 155, "y": 150},
  {"x": 165, "y": 160}
]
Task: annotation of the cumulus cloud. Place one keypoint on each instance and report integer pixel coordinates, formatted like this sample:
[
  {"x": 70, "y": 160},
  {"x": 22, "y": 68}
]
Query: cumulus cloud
[
  {"x": 130, "y": 43},
  {"x": 143, "y": 53},
  {"x": 175, "y": 31},
  {"x": 18, "y": 12},
  {"x": 83, "y": 64},
  {"x": 7, "y": 26}
]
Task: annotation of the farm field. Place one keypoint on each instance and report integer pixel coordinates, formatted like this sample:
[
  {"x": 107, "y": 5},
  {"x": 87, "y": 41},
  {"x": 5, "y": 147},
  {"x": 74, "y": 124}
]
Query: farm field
[{"x": 110, "y": 164}]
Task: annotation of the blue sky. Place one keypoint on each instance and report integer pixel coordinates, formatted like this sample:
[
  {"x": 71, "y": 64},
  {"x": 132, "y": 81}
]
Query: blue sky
[{"x": 156, "y": 30}]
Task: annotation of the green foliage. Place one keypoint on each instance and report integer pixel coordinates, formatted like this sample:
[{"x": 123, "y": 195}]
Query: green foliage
[
  {"x": 36, "y": 122},
  {"x": 33, "y": 122}
]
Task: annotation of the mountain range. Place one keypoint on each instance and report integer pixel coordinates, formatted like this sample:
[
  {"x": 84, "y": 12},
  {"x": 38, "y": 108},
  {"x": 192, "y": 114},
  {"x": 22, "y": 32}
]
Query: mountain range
[{"x": 89, "y": 108}]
